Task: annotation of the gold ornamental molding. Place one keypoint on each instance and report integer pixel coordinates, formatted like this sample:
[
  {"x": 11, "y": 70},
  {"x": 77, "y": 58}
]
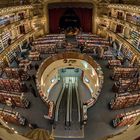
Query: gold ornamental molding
[
  {"x": 12, "y": 9},
  {"x": 18, "y": 42},
  {"x": 125, "y": 7}
]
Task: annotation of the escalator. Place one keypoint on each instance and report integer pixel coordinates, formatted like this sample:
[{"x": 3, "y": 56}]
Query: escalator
[
  {"x": 74, "y": 104},
  {"x": 69, "y": 106},
  {"x": 62, "y": 108},
  {"x": 58, "y": 102},
  {"x": 68, "y": 113}
]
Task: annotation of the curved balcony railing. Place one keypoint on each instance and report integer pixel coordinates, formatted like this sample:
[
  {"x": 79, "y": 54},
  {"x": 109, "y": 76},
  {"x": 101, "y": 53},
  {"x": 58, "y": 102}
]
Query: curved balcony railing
[{"x": 67, "y": 56}]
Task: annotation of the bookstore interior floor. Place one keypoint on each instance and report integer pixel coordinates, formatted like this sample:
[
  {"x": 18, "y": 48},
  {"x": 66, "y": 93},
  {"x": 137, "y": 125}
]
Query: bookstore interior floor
[{"x": 99, "y": 116}]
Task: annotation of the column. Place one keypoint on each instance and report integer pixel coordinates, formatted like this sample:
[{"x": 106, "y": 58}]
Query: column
[
  {"x": 94, "y": 17},
  {"x": 126, "y": 33},
  {"x": 125, "y": 15},
  {"x": 46, "y": 17}
]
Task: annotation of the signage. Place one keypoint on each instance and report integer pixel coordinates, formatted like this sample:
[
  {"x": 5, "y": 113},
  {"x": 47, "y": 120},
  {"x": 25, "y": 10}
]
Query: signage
[{"x": 69, "y": 61}]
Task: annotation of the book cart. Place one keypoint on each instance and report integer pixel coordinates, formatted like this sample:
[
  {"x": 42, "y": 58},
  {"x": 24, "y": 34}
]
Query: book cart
[
  {"x": 34, "y": 55},
  {"x": 25, "y": 64},
  {"x": 114, "y": 63},
  {"x": 125, "y": 119},
  {"x": 11, "y": 116}
]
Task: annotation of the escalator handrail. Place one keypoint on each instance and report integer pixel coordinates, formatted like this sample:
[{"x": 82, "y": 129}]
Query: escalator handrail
[
  {"x": 70, "y": 107},
  {"x": 58, "y": 102},
  {"x": 68, "y": 103},
  {"x": 81, "y": 106},
  {"x": 78, "y": 102}
]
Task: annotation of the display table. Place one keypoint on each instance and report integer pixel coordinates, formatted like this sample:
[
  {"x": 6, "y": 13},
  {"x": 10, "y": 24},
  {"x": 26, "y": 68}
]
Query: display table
[
  {"x": 34, "y": 55},
  {"x": 108, "y": 55},
  {"x": 114, "y": 63},
  {"x": 26, "y": 64},
  {"x": 120, "y": 58},
  {"x": 12, "y": 117}
]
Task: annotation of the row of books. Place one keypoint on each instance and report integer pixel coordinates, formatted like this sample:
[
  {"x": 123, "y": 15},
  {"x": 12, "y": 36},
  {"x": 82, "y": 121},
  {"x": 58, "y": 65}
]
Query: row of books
[
  {"x": 125, "y": 119},
  {"x": 124, "y": 72},
  {"x": 14, "y": 99},
  {"x": 12, "y": 117},
  {"x": 12, "y": 85},
  {"x": 34, "y": 55},
  {"x": 16, "y": 73},
  {"x": 124, "y": 85},
  {"x": 45, "y": 48},
  {"x": 124, "y": 100},
  {"x": 114, "y": 63},
  {"x": 46, "y": 41}
]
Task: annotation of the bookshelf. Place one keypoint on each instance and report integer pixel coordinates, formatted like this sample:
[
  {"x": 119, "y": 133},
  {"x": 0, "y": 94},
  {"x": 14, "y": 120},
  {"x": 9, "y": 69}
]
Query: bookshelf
[
  {"x": 135, "y": 36},
  {"x": 124, "y": 100},
  {"x": 113, "y": 63},
  {"x": 125, "y": 119},
  {"x": 12, "y": 85},
  {"x": 14, "y": 99},
  {"x": 12, "y": 117},
  {"x": 124, "y": 85},
  {"x": 5, "y": 36},
  {"x": 16, "y": 73},
  {"x": 124, "y": 72}
]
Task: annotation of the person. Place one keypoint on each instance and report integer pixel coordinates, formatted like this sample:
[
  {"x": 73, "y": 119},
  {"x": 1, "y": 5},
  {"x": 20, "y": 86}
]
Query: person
[
  {"x": 34, "y": 78},
  {"x": 32, "y": 125},
  {"x": 82, "y": 48},
  {"x": 33, "y": 90},
  {"x": 9, "y": 41},
  {"x": 36, "y": 66}
]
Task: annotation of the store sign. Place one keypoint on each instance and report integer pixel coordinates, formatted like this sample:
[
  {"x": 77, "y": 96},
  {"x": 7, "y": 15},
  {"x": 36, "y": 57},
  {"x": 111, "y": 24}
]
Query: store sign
[{"x": 69, "y": 61}]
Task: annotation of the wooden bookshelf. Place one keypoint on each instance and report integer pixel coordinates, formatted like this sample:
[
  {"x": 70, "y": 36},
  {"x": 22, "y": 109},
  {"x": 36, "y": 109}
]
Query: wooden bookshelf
[
  {"x": 125, "y": 100},
  {"x": 12, "y": 117},
  {"x": 125, "y": 118}
]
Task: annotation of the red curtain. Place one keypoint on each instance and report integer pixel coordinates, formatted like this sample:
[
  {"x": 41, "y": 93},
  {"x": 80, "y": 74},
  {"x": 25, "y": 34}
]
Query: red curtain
[
  {"x": 84, "y": 14},
  {"x": 54, "y": 17}
]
